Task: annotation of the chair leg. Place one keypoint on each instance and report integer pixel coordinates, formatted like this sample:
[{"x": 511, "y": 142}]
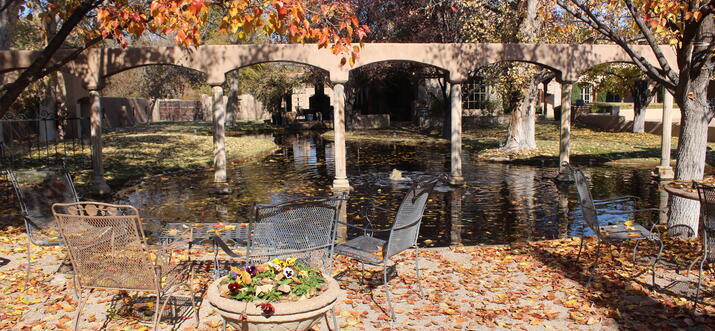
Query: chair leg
[
  {"x": 595, "y": 264},
  {"x": 82, "y": 301},
  {"x": 417, "y": 270},
  {"x": 635, "y": 250},
  {"x": 362, "y": 273},
  {"x": 335, "y": 319},
  {"x": 160, "y": 311},
  {"x": 700, "y": 278},
  {"x": 157, "y": 305},
  {"x": 387, "y": 292},
  {"x": 657, "y": 259},
  {"x": 224, "y": 324},
  {"x": 580, "y": 249},
  {"x": 193, "y": 300},
  {"x": 27, "y": 269}
]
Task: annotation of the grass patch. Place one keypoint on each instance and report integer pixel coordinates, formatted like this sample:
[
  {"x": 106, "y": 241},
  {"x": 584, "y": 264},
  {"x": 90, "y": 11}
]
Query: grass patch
[
  {"x": 587, "y": 146},
  {"x": 143, "y": 150}
]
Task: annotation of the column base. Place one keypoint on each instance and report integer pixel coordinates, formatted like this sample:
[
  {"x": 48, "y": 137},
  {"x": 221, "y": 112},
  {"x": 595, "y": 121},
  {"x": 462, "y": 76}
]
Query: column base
[
  {"x": 456, "y": 179},
  {"x": 341, "y": 185},
  {"x": 564, "y": 177},
  {"x": 99, "y": 186},
  {"x": 664, "y": 172},
  {"x": 221, "y": 188}
]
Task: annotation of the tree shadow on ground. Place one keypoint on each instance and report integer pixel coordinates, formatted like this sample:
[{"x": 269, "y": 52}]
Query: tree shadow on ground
[{"x": 633, "y": 306}]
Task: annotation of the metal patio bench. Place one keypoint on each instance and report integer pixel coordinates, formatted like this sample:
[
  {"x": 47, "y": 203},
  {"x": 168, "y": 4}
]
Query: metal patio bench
[
  {"x": 611, "y": 232},
  {"x": 707, "y": 205},
  {"x": 36, "y": 191},
  {"x": 304, "y": 228},
  {"x": 403, "y": 234},
  {"x": 108, "y": 250}
]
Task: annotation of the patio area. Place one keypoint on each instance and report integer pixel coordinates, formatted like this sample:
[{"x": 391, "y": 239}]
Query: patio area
[{"x": 524, "y": 286}]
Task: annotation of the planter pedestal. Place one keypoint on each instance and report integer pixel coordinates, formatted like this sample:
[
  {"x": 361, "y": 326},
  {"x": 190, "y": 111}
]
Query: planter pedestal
[{"x": 293, "y": 316}]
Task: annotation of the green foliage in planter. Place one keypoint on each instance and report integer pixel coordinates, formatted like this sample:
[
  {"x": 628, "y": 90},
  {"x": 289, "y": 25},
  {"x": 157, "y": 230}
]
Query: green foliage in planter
[{"x": 274, "y": 281}]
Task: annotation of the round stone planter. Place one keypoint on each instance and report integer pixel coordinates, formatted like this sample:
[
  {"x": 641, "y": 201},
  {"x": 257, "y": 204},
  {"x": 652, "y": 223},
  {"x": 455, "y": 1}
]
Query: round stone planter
[{"x": 295, "y": 316}]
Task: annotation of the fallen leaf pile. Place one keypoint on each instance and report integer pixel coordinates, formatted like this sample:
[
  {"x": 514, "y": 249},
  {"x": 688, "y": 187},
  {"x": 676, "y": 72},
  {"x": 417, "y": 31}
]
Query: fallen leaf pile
[{"x": 528, "y": 286}]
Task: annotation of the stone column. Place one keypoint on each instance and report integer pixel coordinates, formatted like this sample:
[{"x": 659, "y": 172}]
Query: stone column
[
  {"x": 565, "y": 136},
  {"x": 456, "y": 134},
  {"x": 99, "y": 185},
  {"x": 664, "y": 170},
  {"x": 219, "y": 119},
  {"x": 341, "y": 180}
]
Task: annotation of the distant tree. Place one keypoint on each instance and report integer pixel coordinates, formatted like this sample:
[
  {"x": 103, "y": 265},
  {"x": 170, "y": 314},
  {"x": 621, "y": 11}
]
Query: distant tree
[
  {"x": 688, "y": 27},
  {"x": 85, "y": 23}
]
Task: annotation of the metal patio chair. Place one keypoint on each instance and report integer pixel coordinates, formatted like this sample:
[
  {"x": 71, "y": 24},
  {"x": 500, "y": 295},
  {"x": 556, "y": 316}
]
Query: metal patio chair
[
  {"x": 36, "y": 191},
  {"x": 108, "y": 250},
  {"x": 402, "y": 235},
  {"x": 304, "y": 228},
  {"x": 706, "y": 194},
  {"x": 610, "y": 232}
]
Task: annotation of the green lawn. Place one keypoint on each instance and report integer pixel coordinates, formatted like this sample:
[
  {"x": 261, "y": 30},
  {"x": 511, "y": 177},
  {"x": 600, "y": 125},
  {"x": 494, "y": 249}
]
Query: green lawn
[
  {"x": 587, "y": 146},
  {"x": 150, "y": 149}
]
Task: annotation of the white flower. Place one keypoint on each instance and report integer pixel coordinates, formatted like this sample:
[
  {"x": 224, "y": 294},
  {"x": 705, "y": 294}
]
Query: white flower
[{"x": 288, "y": 272}]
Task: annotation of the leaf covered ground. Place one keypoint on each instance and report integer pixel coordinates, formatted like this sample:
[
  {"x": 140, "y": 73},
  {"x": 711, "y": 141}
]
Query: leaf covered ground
[{"x": 530, "y": 286}]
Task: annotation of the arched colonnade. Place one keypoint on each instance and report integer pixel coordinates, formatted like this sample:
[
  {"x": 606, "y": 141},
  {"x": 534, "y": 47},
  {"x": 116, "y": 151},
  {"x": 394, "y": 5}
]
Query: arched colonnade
[{"x": 568, "y": 62}]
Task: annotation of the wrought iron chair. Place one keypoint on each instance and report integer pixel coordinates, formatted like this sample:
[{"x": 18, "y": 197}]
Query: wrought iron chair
[
  {"x": 402, "y": 235},
  {"x": 706, "y": 194},
  {"x": 303, "y": 228},
  {"x": 610, "y": 232},
  {"x": 108, "y": 250},
  {"x": 36, "y": 191}
]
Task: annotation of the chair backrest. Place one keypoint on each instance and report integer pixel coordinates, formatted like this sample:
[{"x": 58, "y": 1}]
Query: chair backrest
[
  {"x": 588, "y": 208},
  {"x": 302, "y": 228},
  {"x": 37, "y": 191},
  {"x": 406, "y": 227},
  {"x": 106, "y": 245},
  {"x": 707, "y": 203}
]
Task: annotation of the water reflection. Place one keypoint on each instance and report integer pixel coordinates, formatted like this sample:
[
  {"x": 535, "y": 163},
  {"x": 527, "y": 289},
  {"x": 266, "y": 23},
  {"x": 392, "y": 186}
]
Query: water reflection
[{"x": 499, "y": 203}]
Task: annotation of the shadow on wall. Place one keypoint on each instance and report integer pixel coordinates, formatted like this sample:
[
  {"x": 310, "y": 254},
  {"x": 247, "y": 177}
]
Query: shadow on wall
[{"x": 122, "y": 112}]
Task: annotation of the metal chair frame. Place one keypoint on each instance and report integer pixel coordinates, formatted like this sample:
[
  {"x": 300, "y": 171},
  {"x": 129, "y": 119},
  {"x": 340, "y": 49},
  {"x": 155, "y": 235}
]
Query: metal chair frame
[
  {"x": 30, "y": 223},
  {"x": 706, "y": 195},
  {"x": 621, "y": 233},
  {"x": 416, "y": 196},
  {"x": 277, "y": 242},
  {"x": 108, "y": 250}
]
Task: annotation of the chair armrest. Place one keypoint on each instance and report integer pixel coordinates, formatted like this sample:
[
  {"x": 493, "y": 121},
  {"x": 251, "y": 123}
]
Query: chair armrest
[
  {"x": 218, "y": 242},
  {"x": 616, "y": 199},
  {"x": 363, "y": 228}
]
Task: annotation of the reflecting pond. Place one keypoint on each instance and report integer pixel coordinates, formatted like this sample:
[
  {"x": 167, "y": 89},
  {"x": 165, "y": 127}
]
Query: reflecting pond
[{"x": 499, "y": 203}]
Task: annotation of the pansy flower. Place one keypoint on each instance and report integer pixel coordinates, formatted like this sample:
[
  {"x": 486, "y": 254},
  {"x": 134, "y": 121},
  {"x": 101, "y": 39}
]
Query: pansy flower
[
  {"x": 233, "y": 288},
  {"x": 267, "y": 308},
  {"x": 288, "y": 272},
  {"x": 251, "y": 270},
  {"x": 274, "y": 266}
]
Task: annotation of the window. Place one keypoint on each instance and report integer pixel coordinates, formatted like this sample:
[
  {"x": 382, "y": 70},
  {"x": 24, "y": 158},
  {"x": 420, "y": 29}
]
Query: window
[
  {"x": 586, "y": 94},
  {"x": 474, "y": 94}
]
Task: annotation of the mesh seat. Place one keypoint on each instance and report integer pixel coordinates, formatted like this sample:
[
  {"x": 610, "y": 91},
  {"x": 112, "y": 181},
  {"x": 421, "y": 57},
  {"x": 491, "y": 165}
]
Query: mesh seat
[
  {"x": 403, "y": 235},
  {"x": 610, "y": 232},
  {"x": 108, "y": 250},
  {"x": 363, "y": 248},
  {"x": 36, "y": 191}
]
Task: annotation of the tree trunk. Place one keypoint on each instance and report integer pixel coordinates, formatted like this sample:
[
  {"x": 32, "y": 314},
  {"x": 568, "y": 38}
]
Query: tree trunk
[
  {"x": 520, "y": 135},
  {"x": 692, "y": 144},
  {"x": 643, "y": 93}
]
